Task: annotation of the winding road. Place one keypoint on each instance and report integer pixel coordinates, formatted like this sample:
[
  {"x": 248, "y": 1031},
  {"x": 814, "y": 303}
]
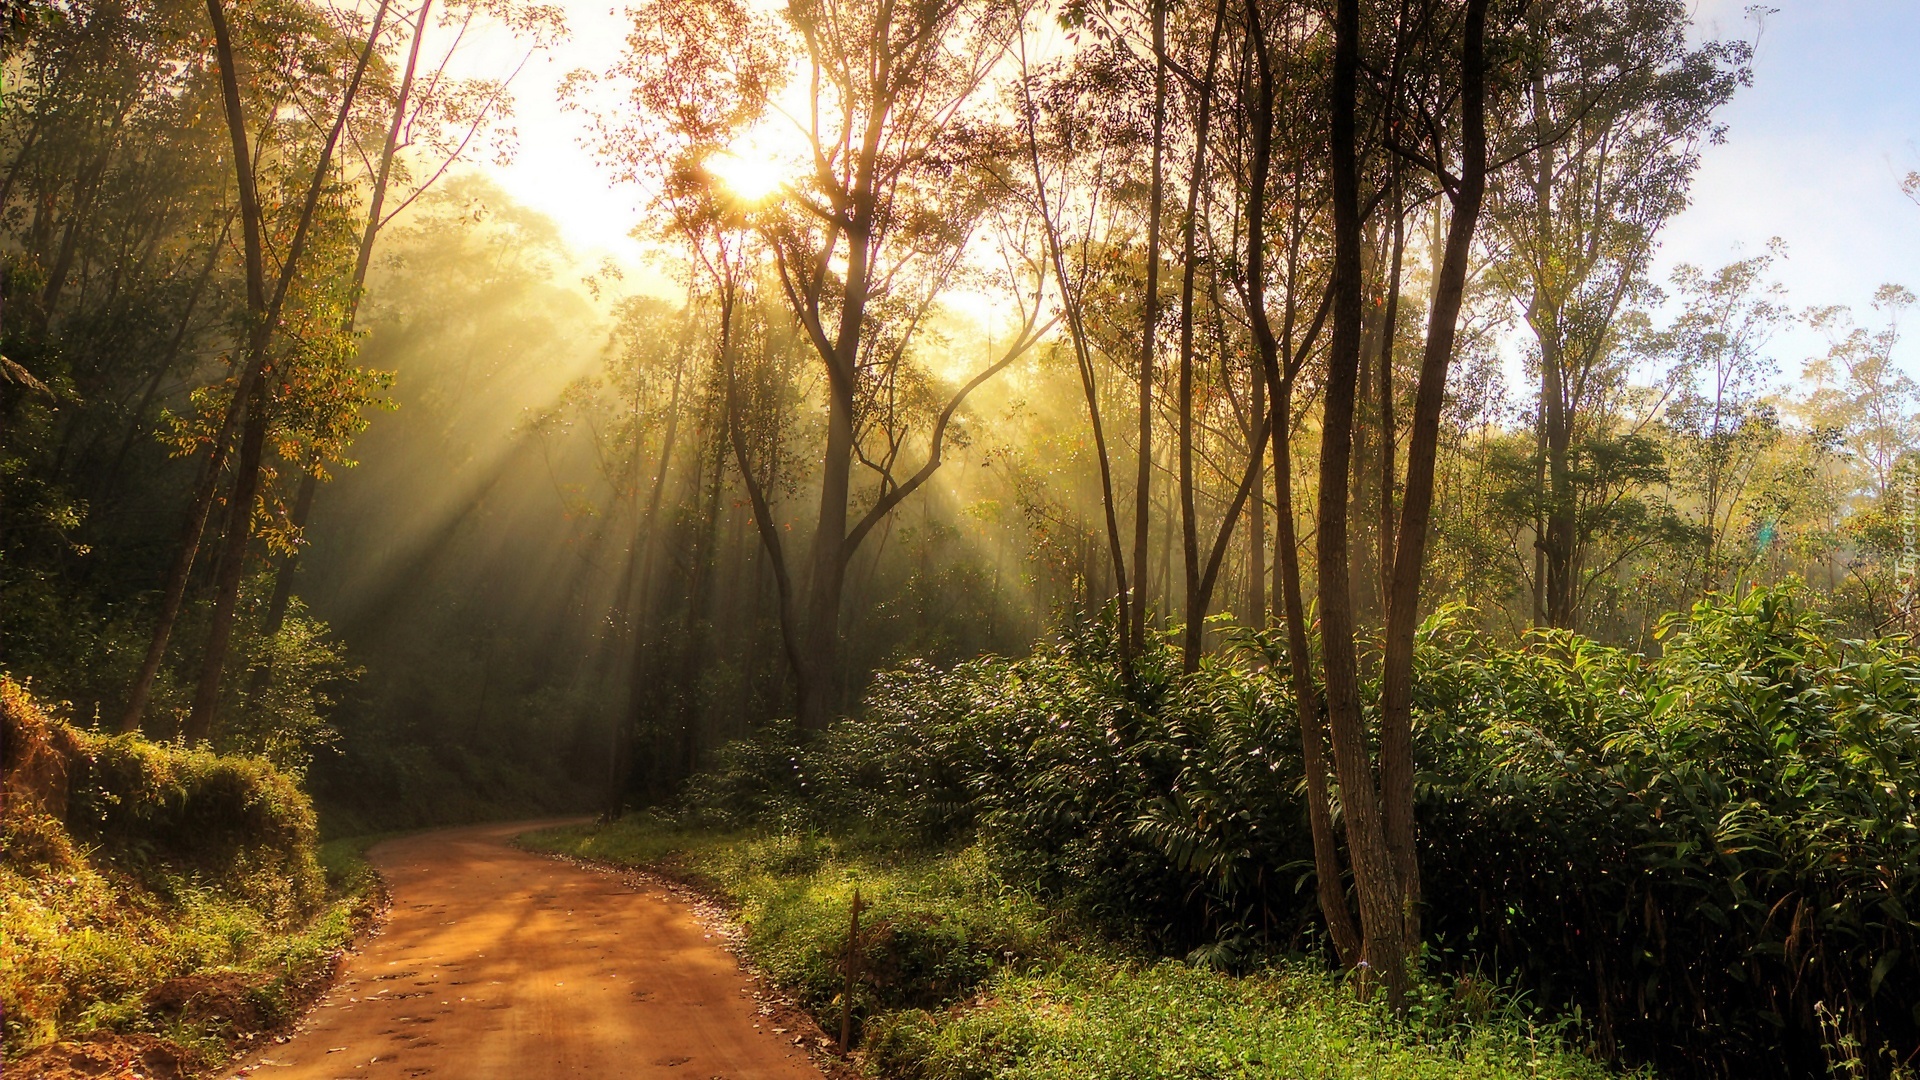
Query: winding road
[{"x": 494, "y": 962}]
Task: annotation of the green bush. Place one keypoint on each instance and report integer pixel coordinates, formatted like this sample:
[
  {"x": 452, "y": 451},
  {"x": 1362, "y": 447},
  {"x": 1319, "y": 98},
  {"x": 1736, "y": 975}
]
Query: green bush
[
  {"x": 125, "y": 864},
  {"x": 1702, "y": 851},
  {"x": 1710, "y": 856},
  {"x": 163, "y": 812},
  {"x": 1166, "y": 814}
]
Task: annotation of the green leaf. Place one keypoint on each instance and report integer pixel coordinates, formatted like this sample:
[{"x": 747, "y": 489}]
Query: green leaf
[{"x": 1880, "y": 970}]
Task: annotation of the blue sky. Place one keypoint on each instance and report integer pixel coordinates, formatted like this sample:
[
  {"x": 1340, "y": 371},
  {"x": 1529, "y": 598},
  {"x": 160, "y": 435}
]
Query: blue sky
[{"x": 1814, "y": 154}]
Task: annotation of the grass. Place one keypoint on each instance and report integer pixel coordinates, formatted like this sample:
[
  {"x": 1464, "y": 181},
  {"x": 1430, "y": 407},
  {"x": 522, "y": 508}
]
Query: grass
[
  {"x": 149, "y": 889},
  {"x": 933, "y": 927},
  {"x": 965, "y": 976},
  {"x": 82, "y": 946}
]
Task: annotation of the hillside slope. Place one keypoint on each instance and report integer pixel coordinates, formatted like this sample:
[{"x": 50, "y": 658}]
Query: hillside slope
[{"x": 159, "y": 908}]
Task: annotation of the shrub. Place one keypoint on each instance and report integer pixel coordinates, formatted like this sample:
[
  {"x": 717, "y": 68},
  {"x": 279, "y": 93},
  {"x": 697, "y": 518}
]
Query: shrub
[
  {"x": 125, "y": 864},
  {"x": 1701, "y": 851},
  {"x": 1710, "y": 856}
]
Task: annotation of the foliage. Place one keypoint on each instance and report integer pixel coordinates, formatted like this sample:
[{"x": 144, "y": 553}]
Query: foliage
[
  {"x": 1699, "y": 850},
  {"x": 1726, "y": 830},
  {"x": 285, "y": 719},
  {"x": 1160, "y": 815},
  {"x": 964, "y": 974},
  {"x": 164, "y": 864}
]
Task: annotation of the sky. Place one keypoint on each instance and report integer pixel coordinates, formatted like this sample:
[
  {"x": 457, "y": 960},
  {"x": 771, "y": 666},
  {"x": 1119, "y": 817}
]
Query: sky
[
  {"x": 1814, "y": 151},
  {"x": 553, "y": 171}
]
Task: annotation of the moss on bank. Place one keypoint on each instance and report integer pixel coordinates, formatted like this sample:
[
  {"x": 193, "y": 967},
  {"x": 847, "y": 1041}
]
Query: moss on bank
[
  {"x": 147, "y": 889},
  {"x": 965, "y": 976}
]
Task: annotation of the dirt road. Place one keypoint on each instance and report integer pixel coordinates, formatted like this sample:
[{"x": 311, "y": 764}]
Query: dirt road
[{"x": 497, "y": 963}]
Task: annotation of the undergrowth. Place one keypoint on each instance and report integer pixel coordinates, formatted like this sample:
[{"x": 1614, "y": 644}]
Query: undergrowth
[
  {"x": 144, "y": 888},
  {"x": 965, "y": 975}
]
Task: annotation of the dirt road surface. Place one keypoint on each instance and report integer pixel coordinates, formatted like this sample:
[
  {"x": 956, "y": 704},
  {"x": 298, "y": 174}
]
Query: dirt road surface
[{"x": 495, "y": 963}]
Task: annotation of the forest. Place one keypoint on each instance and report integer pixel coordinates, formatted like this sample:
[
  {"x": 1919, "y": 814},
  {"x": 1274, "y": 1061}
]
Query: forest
[{"x": 1212, "y": 527}]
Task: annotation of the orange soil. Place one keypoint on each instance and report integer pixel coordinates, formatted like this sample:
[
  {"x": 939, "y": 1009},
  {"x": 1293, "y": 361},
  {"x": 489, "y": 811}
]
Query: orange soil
[{"x": 498, "y": 963}]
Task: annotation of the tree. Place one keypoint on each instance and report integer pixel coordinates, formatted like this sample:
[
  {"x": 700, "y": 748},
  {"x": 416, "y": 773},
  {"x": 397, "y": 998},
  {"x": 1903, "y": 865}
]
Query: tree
[
  {"x": 1721, "y": 419},
  {"x": 246, "y": 411},
  {"x": 1379, "y": 812},
  {"x": 1859, "y": 391},
  {"x": 433, "y": 122},
  {"x": 1616, "y": 109}
]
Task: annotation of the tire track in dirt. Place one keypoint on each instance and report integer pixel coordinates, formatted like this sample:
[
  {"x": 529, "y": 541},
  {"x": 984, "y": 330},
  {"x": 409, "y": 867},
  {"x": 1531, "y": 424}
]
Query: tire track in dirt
[{"x": 497, "y": 963}]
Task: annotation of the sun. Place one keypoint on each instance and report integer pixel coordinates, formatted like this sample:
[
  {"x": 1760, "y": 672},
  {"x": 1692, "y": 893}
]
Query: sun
[
  {"x": 748, "y": 175},
  {"x": 761, "y": 160}
]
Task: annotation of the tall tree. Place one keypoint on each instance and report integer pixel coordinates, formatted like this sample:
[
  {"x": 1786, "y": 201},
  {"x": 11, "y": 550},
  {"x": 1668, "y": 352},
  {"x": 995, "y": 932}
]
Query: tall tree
[
  {"x": 253, "y": 390},
  {"x": 875, "y": 229},
  {"x": 1379, "y": 806},
  {"x": 1616, "y": 108}
]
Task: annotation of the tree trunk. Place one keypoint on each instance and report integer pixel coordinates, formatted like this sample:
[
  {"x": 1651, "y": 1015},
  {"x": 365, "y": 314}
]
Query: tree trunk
[
  {"x": 1135, "y": 625},
  {"x": 1196, "y": 596},
  {"x": 820, "y": 650},
  {"x": 1396, "y": 712},
  {"x": 1328, "y": 877},
  {"x": 1083, "y": 358},
  {"x": 283, "y": 583},
  {"x": 790, "y": 631},
  {"x": 1388, "y": 322},
  {"x": 1329, "y": 884},
  {"x": 1257, "y": 523},
  {"x": 378, "y": 199},
  {"x": 1382, "y": 914},
  {"x": 232, "y": 568}
]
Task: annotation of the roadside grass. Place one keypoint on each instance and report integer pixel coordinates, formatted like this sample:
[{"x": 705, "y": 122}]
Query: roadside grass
[
  {"x": 963, "y": 975},
  {"x": 150, "y": 890},
  {"x": 85, "y": 948},
  {"x": 933, "y": 927}
]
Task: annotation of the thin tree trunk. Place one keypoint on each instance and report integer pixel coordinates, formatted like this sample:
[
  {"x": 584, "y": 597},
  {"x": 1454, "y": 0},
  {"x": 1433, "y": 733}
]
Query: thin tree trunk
[
  {"x": 1077, "y": 333},
  {"x": 85, "y": 191},
  {"x": 1382, "y": 912},
  {"x": 1196, "y": 595},
  {"x": 1389, "y": 319},
  {"x": 1328, "y": 877},
  {"x": 232, "y": 567},
  {"x": 1257, "y": 523},
  {"x": 283, "y": 582},
  {"x": 1149, "y": 333},
  {"x": 672, "y": 768},
  {"x": 1396, "y": 712},
  {"x": 378, "y": 200},
  {"x": 1329, "y": 885}
]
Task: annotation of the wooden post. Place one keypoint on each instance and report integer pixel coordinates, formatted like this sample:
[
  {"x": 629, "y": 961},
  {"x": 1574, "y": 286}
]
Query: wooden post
[{"x": 852, "y": 966}]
